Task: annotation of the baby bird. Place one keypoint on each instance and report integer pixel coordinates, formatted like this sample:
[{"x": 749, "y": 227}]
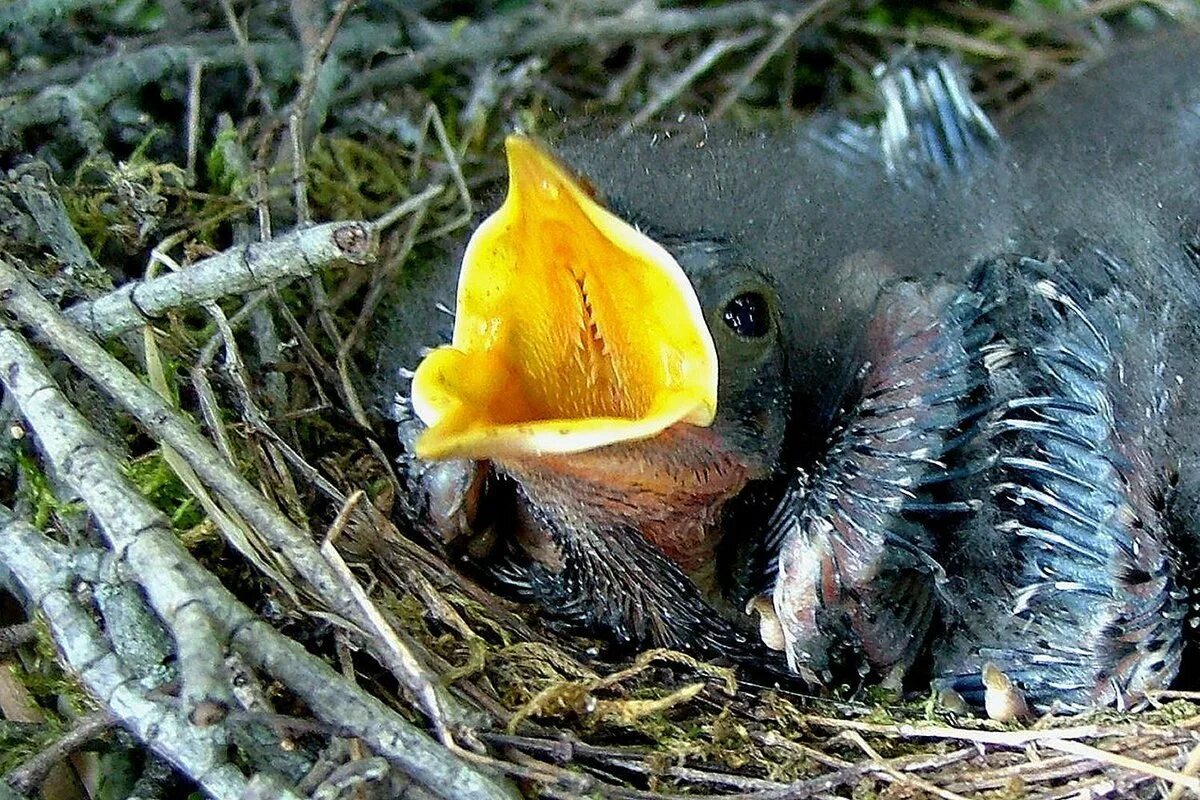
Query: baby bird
[
  {"x": 580, "y": 408},
  {"x": 1035, "y": 516}
]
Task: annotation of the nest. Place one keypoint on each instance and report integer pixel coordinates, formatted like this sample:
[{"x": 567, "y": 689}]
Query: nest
[{"x": 205, "y": 588}]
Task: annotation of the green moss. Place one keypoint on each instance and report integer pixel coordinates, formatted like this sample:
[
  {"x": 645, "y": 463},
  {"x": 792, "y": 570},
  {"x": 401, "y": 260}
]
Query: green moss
[
  {"x": 39, "y": 672},
  {"x": 155, "y": 479},
  {"x": 44, "y": 503},
  {"x": 19, "y": 742},
  {"x": 349, "y": 179},
  {"x": 226, "y": 166}
]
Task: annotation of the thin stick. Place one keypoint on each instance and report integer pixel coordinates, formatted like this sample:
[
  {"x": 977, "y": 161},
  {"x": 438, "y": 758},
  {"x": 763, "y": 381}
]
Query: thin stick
[
  {"x": 1082, "y": 750},
  {"x": 174, "y": 581},
  {"x": 195, "y": 75},
  {"x": 879, "y": 762},
  {"x": 411, "y": 672},
  {"x": 29, "y": 776},
  {"x": 1002, "y": 738},
  {"x": 14, "y": 636},
  {"x": 234, "y": 271},
  {"x": 505, "y": 36},
  {"x": 18, "y": 296},
  {"x": 784, "y": 35},
  {"x": 1190, "y": 768},
  {"x": 257, "y": 85},
  {"x": 701, "y": 64}
]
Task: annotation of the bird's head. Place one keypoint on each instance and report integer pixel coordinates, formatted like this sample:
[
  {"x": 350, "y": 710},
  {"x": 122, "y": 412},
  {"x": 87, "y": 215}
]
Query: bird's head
[
  {"x": 576, "y": 331},
  {"x": 586, "y": 350}
]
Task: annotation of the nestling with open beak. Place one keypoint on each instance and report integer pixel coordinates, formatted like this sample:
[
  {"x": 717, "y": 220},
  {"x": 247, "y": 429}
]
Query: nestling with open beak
[{"x": 583, "y": 379}]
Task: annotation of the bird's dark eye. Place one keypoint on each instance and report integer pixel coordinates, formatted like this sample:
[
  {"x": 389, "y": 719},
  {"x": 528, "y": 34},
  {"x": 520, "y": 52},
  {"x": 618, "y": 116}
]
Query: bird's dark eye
[{"x": 748, "y": 315}]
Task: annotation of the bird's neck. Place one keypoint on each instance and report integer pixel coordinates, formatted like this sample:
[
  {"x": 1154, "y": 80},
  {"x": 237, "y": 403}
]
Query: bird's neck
[{"x": 670, "y": 489}]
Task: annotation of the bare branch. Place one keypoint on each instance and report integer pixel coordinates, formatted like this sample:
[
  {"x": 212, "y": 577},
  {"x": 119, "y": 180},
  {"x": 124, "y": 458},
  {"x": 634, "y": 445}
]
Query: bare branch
[
  {"x": 14, "y": 636},
  {"x": 44, "y": 570},
  {"x": 171, "y": 578},
  {"x": 522, "y": 34},
  {"x": 234, "y": 271},
  {"x": 781, "y": 38},
  {"x": 701, "y": 64},
  {"x": 29, "y": 776}
]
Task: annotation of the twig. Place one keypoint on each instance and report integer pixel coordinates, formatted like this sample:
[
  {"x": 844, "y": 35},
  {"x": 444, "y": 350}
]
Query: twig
[
  {"x": 18, "y": 296},
  {"x": 126, "y": 521},
  {"x": 173, "y": 580},
  {"x": 29, "y": 776},
  {"x": 433, "y": 118},
  {"x": 273, "y": 468},
  {"x": 314, "y": 58},
  {"x": 412, "y": 673},
  {"x": 415, "y": 203},
  {"x": 118, "y": 75},
  {"x": 701, "y": 64},
  {"x": 349, "y": 776},
  {"x": 36, "y": 187},
  {"x": 36, "y": 15},
  {"x": 1087, "y": 751},
  {"x": 774, "y": 739},
  {"x": 1190, "y": 768},
  {"x": 1044, "y": 58},
  {"x": 233, "y": 528},
  {"x": 781, "y": 38},
  {"x": 1020, "y": 738},
  {"x": 192, "y": 120},
  {"x": 357, "y": 714},
  {"x": 338, "y": 526},
  {"x": 44, "y": 571},
  {"x": 299, "y": 183},
  {"x": 234, "y": 271},
  {"x": 21, "y": 714},
  {"x": 257, "y": 85},
  {"x": 346, "y": 346},
  {"x": 14, "y": 636},
  {"x": 517, "y": 35},
  {"x": 881, "y": 764}
]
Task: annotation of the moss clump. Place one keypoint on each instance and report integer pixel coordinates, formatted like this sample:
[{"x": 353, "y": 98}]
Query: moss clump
[
  {"x": 155, "y": 479},
  {"x": 39, "y": 494}
]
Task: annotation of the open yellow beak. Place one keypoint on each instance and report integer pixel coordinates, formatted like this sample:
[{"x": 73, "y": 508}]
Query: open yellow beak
[{"x": 573, "y": 330}]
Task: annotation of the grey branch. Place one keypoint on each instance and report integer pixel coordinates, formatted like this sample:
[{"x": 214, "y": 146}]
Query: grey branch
[
  {"x": 701, "y": 64},
  {"x": 14, "y": 636},
  {"x": 43, "y": 569},
  {"x": 166, "y": 426},
  {"x": 116, "y": 75},
  {"x": 234, "y": 271},
  {"x": 29, "y": 776},
  {"x": 172, "y": 579},
  {"x": 74, "y": 94},
  {"x": 786, "y": 31},
  {"x": 522, "y": 34},
  {"x": 36, "y": 15},
  {"x": 40, "y": 196}
]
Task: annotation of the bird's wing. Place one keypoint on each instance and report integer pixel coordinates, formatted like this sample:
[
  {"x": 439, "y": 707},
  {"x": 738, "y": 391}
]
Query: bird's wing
[
  {"x": 1065, "y": 576},
  {"x": 931, "y": 128},
  {"x": 856, "y": 572},
  {"x": 614, "y": 583}
]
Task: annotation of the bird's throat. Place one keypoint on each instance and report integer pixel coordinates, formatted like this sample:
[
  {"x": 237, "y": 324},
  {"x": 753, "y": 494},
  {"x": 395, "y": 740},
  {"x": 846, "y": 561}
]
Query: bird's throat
[{"x": 670, "y": 489}]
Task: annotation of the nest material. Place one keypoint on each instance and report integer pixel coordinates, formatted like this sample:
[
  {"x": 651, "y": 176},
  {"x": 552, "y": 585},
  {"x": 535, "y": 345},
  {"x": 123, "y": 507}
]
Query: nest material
[{"x": 199, "y": 528}]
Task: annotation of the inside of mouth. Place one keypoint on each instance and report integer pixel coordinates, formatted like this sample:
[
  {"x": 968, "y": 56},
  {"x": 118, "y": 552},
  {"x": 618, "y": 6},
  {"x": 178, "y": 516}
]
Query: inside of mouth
[{"x": 574, "y": 330}]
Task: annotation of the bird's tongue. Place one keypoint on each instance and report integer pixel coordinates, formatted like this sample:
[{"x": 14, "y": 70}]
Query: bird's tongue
[{"x": 573, "y": 330}]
